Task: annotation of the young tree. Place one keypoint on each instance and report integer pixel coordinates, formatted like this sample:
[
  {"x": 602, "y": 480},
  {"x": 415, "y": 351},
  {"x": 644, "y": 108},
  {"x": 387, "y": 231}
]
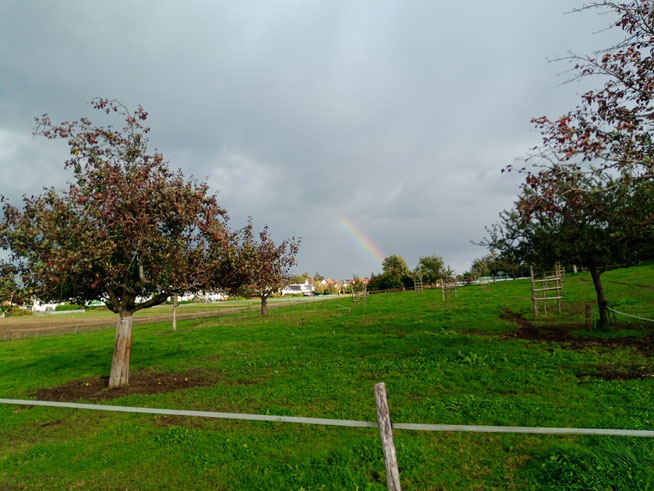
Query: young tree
[
  {"x": 481, "y": 266},
  {"x": 496, "y": 262},
  {"x": 431, "y": 268},
  {"x": 128, "y": 230},
  {"x": 396, "y": 272},
  {"x": 358, "y": 284},
  {"x": 260, "y": 267}
]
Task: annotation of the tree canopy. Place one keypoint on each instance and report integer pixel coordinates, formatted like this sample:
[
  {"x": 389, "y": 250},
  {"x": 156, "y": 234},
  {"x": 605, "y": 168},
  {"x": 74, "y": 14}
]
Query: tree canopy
[
  {"x": 395, "y": 274},
  {"x": 611, "y": 128},
  {"x": 260, "y": 267},
  {"x": 127, "y": 230},
  {"x": 587, "y": 197},
  {"x": 432, "y": 268}
]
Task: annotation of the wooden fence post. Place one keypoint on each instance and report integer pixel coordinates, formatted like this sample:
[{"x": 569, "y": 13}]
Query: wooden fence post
[
  {"x": 175, "y": 312},
  {"x": 533, "y": 290},
  {"x": 386, "y": 435}
]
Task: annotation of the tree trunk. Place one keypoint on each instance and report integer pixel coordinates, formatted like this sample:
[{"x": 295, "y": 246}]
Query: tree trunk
[
  {"x": 264, "y": 306},
  {"x": 174, "y": 312},
  {"x": 119, "y": 376},
  {"x": 601, "y": 299}
]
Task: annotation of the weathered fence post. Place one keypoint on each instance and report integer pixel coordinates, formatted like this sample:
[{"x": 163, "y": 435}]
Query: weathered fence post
[
  {"x": 533, "y": 290},
  {"x": 589, "y": 323},
  {"x": 386, "y": 435},
  {"x": 175, "y": 312}
]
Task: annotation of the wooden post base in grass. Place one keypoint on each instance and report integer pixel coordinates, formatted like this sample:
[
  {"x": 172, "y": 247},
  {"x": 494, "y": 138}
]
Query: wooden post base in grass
[
  {"x": 119, "y": 376},
  {"x": 386, "y": 435}
]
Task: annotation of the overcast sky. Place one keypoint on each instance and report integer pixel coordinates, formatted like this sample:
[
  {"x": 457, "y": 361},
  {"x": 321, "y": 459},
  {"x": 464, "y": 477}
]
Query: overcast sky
[{"x": 363, "y": 126}]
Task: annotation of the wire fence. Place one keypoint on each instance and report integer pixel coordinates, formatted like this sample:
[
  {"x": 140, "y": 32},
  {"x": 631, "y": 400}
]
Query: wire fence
[
  {"x": 630, "y": 315},
  {"x": 383, "y": 425},
  {"x": 339, "y": 422},
  {"x": 88, "y": 325}
]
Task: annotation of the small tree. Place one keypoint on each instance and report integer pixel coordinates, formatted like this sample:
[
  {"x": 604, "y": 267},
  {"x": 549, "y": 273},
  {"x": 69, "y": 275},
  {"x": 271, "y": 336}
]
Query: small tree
[
  {"x": 358, "y": 285},
  {"x": 431, "y": 268},
  {"x": 260, "y": 267},
  {"x": 496, "y": 262},
  {"x": 481, "y": 266},
  {"x": 396, "y": 273},
  {"x": 128, "y": 230}
]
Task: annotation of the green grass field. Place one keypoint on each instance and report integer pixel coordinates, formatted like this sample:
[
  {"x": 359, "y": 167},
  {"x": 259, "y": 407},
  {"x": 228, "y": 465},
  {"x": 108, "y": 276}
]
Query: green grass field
[{"x": 456, "y": 362}]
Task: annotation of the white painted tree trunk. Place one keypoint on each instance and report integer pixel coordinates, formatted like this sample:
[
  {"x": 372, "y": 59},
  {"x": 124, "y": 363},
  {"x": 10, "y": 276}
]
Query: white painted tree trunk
[{"x": 119, "y": 376}]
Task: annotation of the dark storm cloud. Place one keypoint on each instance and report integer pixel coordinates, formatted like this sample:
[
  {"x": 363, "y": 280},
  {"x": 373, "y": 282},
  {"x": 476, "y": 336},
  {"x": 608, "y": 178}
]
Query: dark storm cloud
[{"x": 398, "y": 115}]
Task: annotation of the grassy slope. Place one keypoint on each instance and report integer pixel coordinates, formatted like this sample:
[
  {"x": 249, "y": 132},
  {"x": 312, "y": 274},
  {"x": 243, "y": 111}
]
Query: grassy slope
[{"x": 452, "y": 362}]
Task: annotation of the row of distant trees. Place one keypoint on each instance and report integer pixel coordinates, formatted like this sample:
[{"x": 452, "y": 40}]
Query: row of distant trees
[
  {"x": 130, "y": 231},
  {"x": 396, "y": 272},
  {"x": 432, "y": 269},
  {"x": 588, "y": 191}
]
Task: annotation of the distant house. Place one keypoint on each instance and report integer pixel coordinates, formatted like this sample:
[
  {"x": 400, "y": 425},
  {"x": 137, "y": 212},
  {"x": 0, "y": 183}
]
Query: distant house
[
  {"x": 305, "y": 288},
  {"x": 37, "y": 306},
  {"x": 351, "y": 280},
  {"x": 206, "y": 297},
  {"x": 327, "y": 282},
  {"x": 210, "y": 297}
]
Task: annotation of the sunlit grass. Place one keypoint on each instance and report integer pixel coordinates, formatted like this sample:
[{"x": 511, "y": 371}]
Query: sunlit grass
[{"x": 453, "y": 362}]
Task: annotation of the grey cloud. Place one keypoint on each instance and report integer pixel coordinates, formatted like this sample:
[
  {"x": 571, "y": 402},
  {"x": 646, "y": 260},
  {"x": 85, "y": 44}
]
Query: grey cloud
[{"x": 397, "y": 114}]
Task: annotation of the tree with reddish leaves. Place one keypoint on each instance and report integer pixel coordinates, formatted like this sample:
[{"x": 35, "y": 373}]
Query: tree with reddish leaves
[
  {"x": 612, "y": 127},
  {"x": 127, "y": 230},
  {"x": 588, "y": 194},
  {"x": 580, "y": 232},
  {"x": 259, "y": 266}
]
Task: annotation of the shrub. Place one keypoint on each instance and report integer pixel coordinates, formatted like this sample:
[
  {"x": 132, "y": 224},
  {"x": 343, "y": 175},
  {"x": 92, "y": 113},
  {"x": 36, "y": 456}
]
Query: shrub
[{"x": 17, "y": 312}]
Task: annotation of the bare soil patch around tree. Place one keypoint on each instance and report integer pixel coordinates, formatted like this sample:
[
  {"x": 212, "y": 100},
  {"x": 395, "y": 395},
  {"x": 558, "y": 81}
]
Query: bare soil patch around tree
[
  {"x": 563, "y": 333},
  {"x": 608, "y": 373},
  {"x": 95, "y": 388}
]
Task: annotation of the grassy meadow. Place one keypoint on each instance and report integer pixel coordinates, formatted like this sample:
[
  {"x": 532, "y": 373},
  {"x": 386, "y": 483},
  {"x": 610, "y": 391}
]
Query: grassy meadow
[{"x": 478, "y": 359}]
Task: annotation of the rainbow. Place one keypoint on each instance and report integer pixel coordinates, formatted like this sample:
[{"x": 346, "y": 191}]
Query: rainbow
[{"x": 363, "y": 240}]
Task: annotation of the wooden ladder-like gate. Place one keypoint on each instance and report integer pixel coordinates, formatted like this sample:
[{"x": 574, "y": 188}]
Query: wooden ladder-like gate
[
  {"x": 541, "y": 289},
  {"x": 417, "y": 284}
]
